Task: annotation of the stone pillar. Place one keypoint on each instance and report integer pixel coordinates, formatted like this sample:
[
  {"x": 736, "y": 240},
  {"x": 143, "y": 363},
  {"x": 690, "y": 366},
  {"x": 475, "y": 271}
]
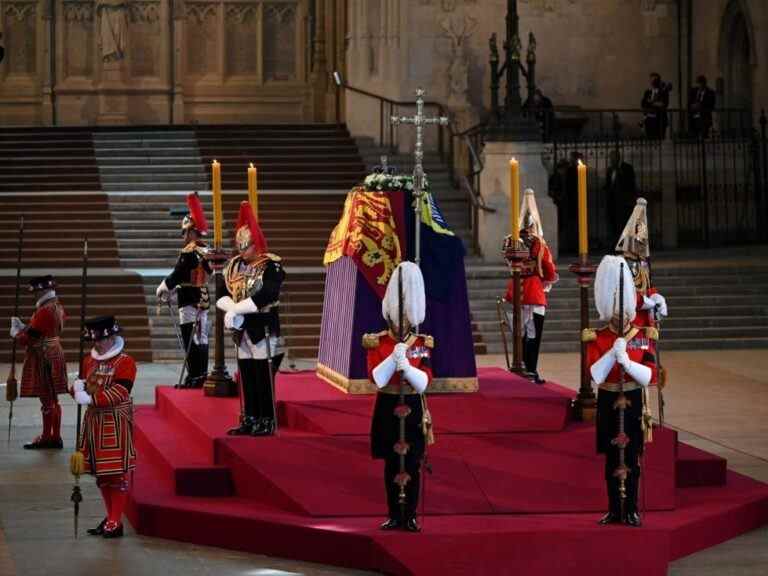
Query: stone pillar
[
  {"x": 49, "y": 52},
  {"x": 179, "y": 20},
  {"x": 668, "y": 196},
  {"x": 494, "y": 185}
]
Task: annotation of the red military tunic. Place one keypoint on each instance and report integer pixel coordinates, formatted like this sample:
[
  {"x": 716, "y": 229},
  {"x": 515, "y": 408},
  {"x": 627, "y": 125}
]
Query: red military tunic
[
  {"x": 641, "y": 348},
  {"x": 541, "y": 272},
  {"x": 385, "y": 424},
  {"x": 45, "y": 371},
  {"x": 107, "y": 442}
]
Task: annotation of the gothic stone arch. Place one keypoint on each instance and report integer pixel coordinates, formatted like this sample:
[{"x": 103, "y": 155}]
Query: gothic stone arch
[{"x": 738, "y": 56}]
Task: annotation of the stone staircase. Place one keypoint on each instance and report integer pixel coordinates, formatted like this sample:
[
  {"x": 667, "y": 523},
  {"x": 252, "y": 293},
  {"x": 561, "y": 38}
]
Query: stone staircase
[
  {"x": 710, "y": 307},
  {"x": 288, "y": 157},
  {"x": 109, "y": 292},
  {"x": 149, "y": 161},
  {"x": 47, "y": 160}
]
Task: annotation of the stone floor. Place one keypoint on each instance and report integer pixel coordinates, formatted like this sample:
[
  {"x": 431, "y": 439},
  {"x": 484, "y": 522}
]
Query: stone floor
[{"x": 716, "y": 399}]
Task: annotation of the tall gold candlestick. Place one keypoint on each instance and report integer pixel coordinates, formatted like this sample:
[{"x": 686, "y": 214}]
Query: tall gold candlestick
[
  {"x": 583, "y": 231},
  {"x": 514, "y": 192},
  {"x": 218, "y": 214},
  {"x": 253, "y": 191}
]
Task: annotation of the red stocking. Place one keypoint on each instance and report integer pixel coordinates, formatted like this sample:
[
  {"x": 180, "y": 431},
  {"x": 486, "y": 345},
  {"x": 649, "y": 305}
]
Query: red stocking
[
  {"x": 47, "y": 411},
  {"x": 55, "y": 433},
  {"x": 119, "y": 489},
  {"x": 106, "y": 493}
]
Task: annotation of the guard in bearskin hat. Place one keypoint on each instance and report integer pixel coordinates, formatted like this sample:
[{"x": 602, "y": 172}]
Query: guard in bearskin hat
[
  {"x": 622, "y": 362},
  {"x": 45, "y": 371},
  {"x": 400, "y": 356},
  {"x": 538, "y": 276},
  {"x": 253, "y": 280},
  {"x": 190, "y": 280},
  {"x": 107, "y": 434}
]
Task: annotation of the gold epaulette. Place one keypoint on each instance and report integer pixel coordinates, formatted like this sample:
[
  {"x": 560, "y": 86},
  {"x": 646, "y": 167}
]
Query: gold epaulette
[
  {"x": 651, "y": 333},
  {"x": 191, "y": 247},
  {"x": 588, "y": 335},
  {"x": 372, "y": 340},
  {"x": 429, "y": 341},
  {"x": 273, "y": 257}
]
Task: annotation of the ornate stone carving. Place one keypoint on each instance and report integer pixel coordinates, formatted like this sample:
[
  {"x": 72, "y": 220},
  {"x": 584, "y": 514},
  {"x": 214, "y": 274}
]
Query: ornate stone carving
[
  {"x": 458, "y": 30},
  {"x": 548, "y": 5},
  {"x": 20, "y": 23},
  {"x": 200, "y": 11},
  {"x": 113, "y": 29},
  {"x": 148, "y": 12},
  {"x": 241, "y": 21},
  {"x": 79, "y": 11},
  {"x": 19, "y": 11},
  {"x": 202, "y": 37},
  {"x": 241, "y": 11},
  {"x": 280, "y": 37}
]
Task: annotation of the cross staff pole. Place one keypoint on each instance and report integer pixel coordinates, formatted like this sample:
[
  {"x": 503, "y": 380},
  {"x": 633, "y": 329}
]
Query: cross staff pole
[{"x": 419, "y": 176}]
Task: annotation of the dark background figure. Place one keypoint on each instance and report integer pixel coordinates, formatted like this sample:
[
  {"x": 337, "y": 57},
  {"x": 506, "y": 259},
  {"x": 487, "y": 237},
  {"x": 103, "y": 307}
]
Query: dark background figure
[
  {"x": 701, "y": 103},
  {"x": 620, "y": 193},
  {"x": 564, "y": 191},
  {"x": 2, "y": 48},
  {"x": 543, "y": 111},
  {"x": 655, "y": 104}
]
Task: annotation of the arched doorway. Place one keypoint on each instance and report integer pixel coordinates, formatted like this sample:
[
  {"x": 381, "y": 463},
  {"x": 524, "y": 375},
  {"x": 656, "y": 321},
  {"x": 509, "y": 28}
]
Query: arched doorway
[{"x": 737, "y": 58}]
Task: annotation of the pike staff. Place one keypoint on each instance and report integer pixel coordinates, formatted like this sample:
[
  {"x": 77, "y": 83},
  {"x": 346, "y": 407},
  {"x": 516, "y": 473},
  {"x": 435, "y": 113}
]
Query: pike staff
[
  {"x": 622, "y": 403},
  {"x": 77, "y": 462},
  {"x": 12, "y": 385}
]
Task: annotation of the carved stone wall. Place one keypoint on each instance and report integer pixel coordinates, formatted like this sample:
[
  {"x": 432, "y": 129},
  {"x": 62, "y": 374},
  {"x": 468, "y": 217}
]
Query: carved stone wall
[{"x": 166, "y": 61}]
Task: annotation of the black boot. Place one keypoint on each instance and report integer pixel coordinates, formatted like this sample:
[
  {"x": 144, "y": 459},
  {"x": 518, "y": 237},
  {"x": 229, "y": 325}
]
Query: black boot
[
  {"x": 412, "y": 525},
  {"x": 189, "y": 351},
  {"x": 632, "y": 517},
  {"x": 391, "y": 524},
  {"x": 244, "y": 429},
  {"x": 202, "y": 372},
  {"x": 614, "y": 503},
  {"x": 263, "y": 427},
  {"x": 535, "y": 345}
]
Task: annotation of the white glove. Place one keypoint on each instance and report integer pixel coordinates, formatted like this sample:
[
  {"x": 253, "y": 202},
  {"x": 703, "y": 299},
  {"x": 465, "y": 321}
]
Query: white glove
[
  {"x": 600, "y": 369},
  {"x": 638, "y": 372},
  {"x": 17, "y": 326},
  {"x": 401, "y": 350},
  {"x": 162, "y": 291},
  {"x": 620, "y": 352},
  {"x": 383, "y": 373},
  {"x": 402, "y": 364},
  {"x": 233, "y": 321},
  {"x": 648, "y": 303},
  {"x": 660, "y": 302},
  {"x": 225, "y": 303},
  {"x": 247, "y": 306},
  {"x": 418, "y": 379},
  {"x": 78, "y": 385},
  {"x": 83, "y": 398}
]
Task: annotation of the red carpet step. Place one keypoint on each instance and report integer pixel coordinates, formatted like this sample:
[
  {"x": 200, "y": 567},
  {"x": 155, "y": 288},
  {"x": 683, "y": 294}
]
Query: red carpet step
[{"x": 516, "y": 487}]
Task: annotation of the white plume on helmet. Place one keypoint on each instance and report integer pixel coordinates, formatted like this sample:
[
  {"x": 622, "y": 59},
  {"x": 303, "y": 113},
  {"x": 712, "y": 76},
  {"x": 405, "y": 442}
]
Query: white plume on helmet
[
  {"x": 414, "y": 298},
  {"x": 607, "y": 289},
  {"x": 529, "y": 214}
]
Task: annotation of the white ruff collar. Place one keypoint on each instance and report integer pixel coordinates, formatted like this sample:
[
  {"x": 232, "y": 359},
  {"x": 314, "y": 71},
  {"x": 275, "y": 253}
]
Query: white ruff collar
[
  {"x": 112, "y": 352},
  {"x": 49, "y": 295}
]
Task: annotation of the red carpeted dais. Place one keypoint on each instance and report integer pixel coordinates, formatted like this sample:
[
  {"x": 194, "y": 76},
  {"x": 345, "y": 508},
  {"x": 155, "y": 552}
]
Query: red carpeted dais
[{"x": 516, "y": 488}]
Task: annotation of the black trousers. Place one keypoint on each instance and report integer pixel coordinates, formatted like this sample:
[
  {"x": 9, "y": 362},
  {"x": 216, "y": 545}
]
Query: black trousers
[
  {"x": 412, "y": 489},
  {"x": 257, "y": 387},
  {"x": 607, "y": 430},
  {"x": 197, "y": 359},
  {"x": 531, "y": 346}
]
